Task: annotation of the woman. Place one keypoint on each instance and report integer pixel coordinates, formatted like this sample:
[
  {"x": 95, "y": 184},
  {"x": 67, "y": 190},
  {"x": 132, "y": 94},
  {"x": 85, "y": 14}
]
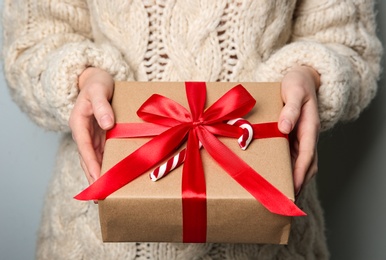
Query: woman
[{"x": 62, "y": 56}]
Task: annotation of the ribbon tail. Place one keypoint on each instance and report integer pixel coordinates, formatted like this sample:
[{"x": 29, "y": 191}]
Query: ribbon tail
[
  {"x": 269, "y": 196},
  {"x": 130, "y": 130},
  {"x": 193, "y": 194},
  {"x": 135, "y": 164}
]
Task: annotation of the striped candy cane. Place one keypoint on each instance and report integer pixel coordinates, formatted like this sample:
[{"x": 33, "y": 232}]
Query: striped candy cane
[
  {"x": 246, "y": 138},
  {"x": 174, "y": 162},
  {"x": 169, "y": 165}
]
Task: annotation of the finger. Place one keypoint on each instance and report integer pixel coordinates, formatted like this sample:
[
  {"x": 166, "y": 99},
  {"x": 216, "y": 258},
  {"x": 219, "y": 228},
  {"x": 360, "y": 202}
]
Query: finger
[
  {"x": 82, "y": 127},
  {"x": 297, "y": 88},
  {"x": 103, "y": 113},
  {"x": 308, "y": 132},
  {"x": 101, "y": 106},
  {"x": 304, "y": 169},
  {"x": 90, "y": 179},
  {"x": 313, "y": 170},
  {"x": 288, "y": 117},
  {"x": 293, "y": 97},
  {"x": 88, "y": 154}
]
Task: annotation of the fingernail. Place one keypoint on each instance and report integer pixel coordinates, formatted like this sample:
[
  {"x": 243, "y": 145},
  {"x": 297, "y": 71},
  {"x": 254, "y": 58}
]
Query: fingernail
[
  {"x": 285, "y": 126},
  {"x": 106, "y": 121}
]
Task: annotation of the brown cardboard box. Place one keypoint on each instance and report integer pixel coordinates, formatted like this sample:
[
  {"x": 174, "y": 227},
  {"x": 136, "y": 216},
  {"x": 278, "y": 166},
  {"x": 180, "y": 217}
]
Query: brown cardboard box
[{"x": 146, "y": 211}]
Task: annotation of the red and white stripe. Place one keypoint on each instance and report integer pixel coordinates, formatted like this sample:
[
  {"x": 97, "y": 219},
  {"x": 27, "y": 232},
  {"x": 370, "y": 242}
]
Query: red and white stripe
[
  {"x": 168, "y": 166},
  {"x": 247, "y": 136},
  {"x": 174, "y": 162}
]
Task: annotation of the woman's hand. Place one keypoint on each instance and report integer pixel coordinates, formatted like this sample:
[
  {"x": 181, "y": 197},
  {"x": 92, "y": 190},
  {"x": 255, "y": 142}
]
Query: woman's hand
[
  {"x": 299, "y": 118},
  {"x": 91, "y": 116}
]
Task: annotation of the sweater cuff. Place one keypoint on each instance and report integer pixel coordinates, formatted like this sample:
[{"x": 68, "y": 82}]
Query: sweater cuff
[
  {"x": 333, "y": 94},
  {"x": 60, "y": 79}
]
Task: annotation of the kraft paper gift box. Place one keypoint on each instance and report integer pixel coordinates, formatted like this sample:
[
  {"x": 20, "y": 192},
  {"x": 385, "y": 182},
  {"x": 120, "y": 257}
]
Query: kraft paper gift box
[{"x": 147, "y": 211}]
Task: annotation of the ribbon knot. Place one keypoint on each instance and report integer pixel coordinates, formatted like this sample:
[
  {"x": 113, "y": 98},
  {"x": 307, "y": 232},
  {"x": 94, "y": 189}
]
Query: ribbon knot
[
  {"x": 197, "y": 123},
  {"x": 170, "y": 123}
]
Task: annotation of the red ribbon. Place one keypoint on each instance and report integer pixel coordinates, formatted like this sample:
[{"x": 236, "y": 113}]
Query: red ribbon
[{"x": 170, "y": 123}]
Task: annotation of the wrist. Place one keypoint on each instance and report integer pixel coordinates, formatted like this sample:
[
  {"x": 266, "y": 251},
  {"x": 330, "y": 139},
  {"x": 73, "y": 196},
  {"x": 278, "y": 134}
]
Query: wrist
[
  {"x": 91, "y": 74},
  {"x": 313, "y": 74}
]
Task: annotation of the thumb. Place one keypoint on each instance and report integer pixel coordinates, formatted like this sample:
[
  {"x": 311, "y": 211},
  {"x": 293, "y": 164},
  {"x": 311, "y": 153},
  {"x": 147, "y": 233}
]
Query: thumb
[
  {"x": 289, "y": 115},
  {"x": 297, "y": 87},
  {"x": 102, "y": 111}
]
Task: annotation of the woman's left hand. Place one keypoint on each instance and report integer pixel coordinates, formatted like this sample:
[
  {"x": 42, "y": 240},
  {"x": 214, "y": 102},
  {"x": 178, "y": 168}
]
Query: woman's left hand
[{"x": 300, "y": 119}]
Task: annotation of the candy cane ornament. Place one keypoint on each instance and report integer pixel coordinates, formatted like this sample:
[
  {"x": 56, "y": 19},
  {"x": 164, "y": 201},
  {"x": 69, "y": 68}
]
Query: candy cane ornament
[
  {"x": 244, "y": 140},
  {"x": 169, "y": 165}
]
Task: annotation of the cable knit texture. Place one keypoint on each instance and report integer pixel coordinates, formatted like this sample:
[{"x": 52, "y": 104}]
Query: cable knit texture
[{"x": 47, "y": 45}]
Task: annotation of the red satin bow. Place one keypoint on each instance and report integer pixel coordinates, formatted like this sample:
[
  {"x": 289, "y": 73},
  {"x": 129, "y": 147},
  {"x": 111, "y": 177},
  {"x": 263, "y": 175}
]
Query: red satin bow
[{"x": 170, "y": 123}]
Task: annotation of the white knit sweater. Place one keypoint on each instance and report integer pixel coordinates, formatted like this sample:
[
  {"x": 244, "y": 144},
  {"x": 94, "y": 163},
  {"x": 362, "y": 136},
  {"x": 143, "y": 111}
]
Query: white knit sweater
[{"x": 47, "y": 44}]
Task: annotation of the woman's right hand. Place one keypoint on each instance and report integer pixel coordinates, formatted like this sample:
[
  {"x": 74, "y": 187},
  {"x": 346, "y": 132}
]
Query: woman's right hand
[{"x": 91, "y": 116}]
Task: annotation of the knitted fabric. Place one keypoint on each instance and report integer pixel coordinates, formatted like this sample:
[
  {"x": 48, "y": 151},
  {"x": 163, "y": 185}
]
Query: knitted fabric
[{"x": 47, "y": 45}]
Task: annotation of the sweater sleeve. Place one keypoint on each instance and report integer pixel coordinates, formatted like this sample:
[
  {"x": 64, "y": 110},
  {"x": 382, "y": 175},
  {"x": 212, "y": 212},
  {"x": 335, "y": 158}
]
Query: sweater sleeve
[
  {"x": 46, "y": 46},
  {"x": 338, "y": 39}
]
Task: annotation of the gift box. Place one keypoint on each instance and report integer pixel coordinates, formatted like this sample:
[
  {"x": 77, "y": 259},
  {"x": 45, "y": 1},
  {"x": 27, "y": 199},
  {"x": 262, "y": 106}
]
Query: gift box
[{"x": 222, "y": 209}]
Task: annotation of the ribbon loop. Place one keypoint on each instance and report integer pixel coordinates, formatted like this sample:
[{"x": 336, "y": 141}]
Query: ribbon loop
[
  {"x": 196, "y": 95},
  {"x": 235, "y": 103},
  {"x": 163, "y": 111}
]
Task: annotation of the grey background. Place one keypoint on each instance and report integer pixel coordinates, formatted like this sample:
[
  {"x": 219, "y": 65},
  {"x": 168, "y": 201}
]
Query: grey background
[{"x": 352, "y": 178}]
